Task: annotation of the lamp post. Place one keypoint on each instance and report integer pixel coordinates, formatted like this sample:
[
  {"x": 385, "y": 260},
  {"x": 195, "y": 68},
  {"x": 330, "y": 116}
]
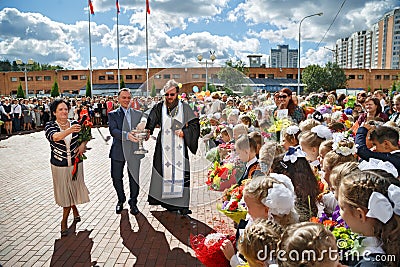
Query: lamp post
[
  {"x": 333, "y": 51},
  {"x": 298, "y": 67},
  {"x": 206, "y": 62},
  {"x": 23, "y": 65}
]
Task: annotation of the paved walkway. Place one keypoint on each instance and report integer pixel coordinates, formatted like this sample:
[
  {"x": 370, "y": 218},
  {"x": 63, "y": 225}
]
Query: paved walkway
[{"x": 30, "y": 219}]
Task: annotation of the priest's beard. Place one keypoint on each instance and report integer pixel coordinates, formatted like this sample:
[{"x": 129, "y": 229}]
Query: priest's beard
[{"x": 171, "y": 103}]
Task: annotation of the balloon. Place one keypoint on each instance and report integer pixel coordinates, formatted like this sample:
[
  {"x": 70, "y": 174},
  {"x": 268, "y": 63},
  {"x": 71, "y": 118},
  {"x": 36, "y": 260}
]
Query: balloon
[{"x": 195, "y": 89}]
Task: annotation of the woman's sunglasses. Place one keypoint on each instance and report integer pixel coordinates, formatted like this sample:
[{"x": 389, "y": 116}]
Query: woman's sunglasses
[{"x": 282, "y": 96}]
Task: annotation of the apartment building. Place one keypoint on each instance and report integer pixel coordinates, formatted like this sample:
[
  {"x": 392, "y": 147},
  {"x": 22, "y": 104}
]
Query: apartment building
[
  {"x": 375, "y": 48},
  {"x": 283, "y": 57}
]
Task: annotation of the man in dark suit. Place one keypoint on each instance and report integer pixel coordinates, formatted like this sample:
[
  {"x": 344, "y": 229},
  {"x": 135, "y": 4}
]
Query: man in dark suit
[{"x": 121, "y": 122}]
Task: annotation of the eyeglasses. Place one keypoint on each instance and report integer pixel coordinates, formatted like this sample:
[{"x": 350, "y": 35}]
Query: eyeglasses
[
  {"x": 171, "y": 94},
  {"x": 363, "y": 95},
  {"x": 282, "y": 96}
]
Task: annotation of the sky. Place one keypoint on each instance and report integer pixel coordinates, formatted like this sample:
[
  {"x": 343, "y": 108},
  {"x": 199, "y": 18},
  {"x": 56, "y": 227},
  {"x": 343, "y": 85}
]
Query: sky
[{"x": 56, "y": 31}]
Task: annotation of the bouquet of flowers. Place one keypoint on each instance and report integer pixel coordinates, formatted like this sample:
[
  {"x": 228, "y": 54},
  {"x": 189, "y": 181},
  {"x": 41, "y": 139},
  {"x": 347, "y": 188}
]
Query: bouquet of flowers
[
  {"x": 205, "y": 126},
  {"x": 219, "y": 176},
  {"x": 279, "y": 125},
  {"x": 84, "y": 135},
  {"x": 208, "y": 249},
  {"x": 233, "y": 204}
]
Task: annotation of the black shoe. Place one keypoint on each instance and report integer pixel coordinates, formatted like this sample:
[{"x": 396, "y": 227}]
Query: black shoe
[
  {"x": 119, "y": 207},
  {"x": 184, "y": 211},
  {"x": 134, "y": 210}
]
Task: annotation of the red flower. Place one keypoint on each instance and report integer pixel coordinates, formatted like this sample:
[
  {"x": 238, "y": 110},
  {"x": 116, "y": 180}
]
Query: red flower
[
  {"x": 234, "y": 205},
  {"x": 314, "y": 219}
]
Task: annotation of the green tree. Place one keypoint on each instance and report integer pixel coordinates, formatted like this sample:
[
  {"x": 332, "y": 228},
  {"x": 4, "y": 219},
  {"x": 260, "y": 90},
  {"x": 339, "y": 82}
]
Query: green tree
[
  {"x": 122, "y": 83},
  {"x": 232, "y": 78},
  {"x": 88, "y": 88},
  {"x": 336, "y": 77},
  {"x": 313, "y": 76},
  {"x": 20, "y": 91},
  {"x": 153, "y": 92},
  {"x": 247, "y": 91},
  {"x": 330, "y": 77},
  {"x": 238, "y": 65},
  {"x": 54, "y": 90}
]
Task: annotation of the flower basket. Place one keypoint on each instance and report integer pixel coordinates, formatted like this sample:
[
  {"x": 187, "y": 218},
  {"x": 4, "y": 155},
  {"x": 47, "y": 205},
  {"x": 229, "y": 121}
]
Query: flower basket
[
  {"x": 207, "y": 249},
  {"x": 236, "y": 216}
]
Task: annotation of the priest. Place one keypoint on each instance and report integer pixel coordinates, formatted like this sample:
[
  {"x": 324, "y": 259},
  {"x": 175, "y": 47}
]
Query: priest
[{"x": 179, "y": 134}]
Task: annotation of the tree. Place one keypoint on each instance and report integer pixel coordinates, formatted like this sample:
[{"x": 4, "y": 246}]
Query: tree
[
  {"x": 122, "y": 83},
  {"x": 233, "y": 78},
  {"x": 247, "y": 91},
  {"x": 330, "y": 77},
  {"x": 54, "y": 90},
  {"x": 88, "y": 88},
  {"x": 238, "y": 65},
  {"x": 153, "y": 92},
  {"x": 20, "y": 91},
  {"x": 313, "y": 76},
  {"x": 336, "y": 77}
]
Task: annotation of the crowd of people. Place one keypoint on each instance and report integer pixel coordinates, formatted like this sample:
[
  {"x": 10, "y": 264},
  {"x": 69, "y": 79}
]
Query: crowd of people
[{"x": 302, "y": 159}]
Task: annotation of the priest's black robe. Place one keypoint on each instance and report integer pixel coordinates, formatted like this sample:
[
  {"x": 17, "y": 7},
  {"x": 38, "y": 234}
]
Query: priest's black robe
[{"x": 191, "y": 130}]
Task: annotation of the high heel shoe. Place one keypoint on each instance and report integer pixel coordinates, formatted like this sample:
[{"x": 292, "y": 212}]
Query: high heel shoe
[{"x": 64, "y": 232}]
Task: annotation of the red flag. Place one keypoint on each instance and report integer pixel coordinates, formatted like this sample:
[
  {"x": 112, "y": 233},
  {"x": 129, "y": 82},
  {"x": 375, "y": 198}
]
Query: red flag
[
  {"x": 91, "y": 7},
  {"x": 117, "y": 4},
  {"x": 147, "y": 6}
]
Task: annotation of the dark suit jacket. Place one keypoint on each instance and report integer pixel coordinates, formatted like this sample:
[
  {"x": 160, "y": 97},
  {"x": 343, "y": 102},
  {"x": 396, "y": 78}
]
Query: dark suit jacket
[{"x": 122, "y": 149}]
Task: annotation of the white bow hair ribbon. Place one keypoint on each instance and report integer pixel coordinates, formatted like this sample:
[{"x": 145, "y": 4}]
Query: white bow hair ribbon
[
  {"x": 294, "y": 153},
  {"x": 380, "y": 207},
  {"x": 377, "y": 164},
  {"x": 280, "y": 200},
  {"x": 292, "y": 130},
  {"x": 322, "y": 131},
  {"x": 283, "y": 179}
]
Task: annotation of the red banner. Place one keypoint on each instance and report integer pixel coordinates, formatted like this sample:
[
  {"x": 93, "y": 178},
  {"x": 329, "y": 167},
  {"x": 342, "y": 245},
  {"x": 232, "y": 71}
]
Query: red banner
[
  {"x": 148, "y": 6},
  {"x": 91, "y": 7},
  {"x": 117, "y": 4}
]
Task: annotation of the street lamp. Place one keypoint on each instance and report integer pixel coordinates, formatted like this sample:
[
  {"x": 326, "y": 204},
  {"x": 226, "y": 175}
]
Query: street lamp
[
  {"x": 333, "y": 51},
  {"x": 206, "y": 62},
  {"x": 23, "y": 65},
  {"x": 298, "y": 67}
]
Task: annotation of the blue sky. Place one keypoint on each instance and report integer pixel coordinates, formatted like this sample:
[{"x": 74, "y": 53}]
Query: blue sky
[{"x": 56, "y": 31}]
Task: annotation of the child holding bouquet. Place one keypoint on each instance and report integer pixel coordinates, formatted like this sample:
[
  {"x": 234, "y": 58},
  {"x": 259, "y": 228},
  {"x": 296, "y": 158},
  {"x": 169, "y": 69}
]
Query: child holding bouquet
[{"x": 266, "y": 198}]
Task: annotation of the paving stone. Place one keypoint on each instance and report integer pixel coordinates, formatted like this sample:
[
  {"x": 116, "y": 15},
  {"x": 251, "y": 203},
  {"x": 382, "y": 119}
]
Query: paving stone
[{"x": 30, "y": 219}]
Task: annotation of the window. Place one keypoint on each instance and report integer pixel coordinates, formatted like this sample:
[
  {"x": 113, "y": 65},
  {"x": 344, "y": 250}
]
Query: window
[
  {"x": 74, "y": 77},
  {"x": 394, "y": 77},
  {"x": 14, "y": 79},
  {"x": 138, "y": 77},
  {"x": 352, "y": 77},
  {"x": 102, "y": 78},
  {"x": 176, "y": 76},
  {"x": 203, "y": 76},
  {"x": 289, "y": 76},
  {"x": 252, "y": 75},
  {"x": 110, "y": 77},
  {"x": 167, "y": 76},
  {"x": 47, "y": 78},
  {"x": 270, "y": 76},
  {"x": 360, "y": 77},
  {"x": 22, "y": 79},
  {"x": 157, "y": 76},
  {"x": 39, "y": 78},
  {"x": 195, "y": 76},
  {"x": 386, "y": 77},
  {"x": 128, "y": 77},
  {"x": 30, "y": 78},
  {"x": 261, "y": 76},
  {"x": 65, "y": 77},
  {"x": 82, "y": 77}
]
